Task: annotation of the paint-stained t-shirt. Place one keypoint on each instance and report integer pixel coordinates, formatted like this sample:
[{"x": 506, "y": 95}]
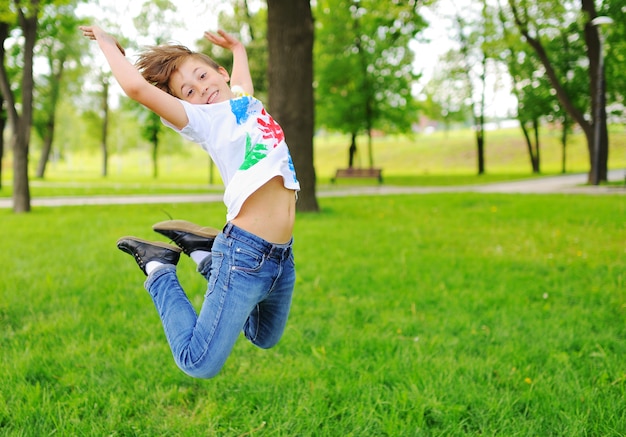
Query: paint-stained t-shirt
[{"x": 246, "y": 144}]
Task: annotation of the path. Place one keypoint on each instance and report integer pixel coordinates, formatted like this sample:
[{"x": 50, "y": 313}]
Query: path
[{"x": 567, "y": 184}]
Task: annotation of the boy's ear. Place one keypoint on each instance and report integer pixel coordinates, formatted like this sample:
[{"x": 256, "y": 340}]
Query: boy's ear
[{"x": 224, "y": 73}]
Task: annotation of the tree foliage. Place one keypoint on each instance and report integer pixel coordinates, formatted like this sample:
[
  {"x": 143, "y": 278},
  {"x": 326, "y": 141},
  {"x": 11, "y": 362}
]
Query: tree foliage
[
  {"x": 364, "y": 67},
  {"x": 615, "y": 56}
]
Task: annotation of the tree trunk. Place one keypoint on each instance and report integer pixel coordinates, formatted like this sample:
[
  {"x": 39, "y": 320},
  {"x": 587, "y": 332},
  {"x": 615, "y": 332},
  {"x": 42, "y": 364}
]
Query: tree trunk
[
  {"x": 480, "y": 133},
  {"x": 529, "y": 146},
  {"x": 564, "y": 134},
  {"x": 49, "y": 134},
  {"x": 537, "y": 161},
  {"x": 370, "y": 147},
  {"x": 5, "y": 90},
  {"x": 533, "y": 149},
  {"x": 480, "y": 144},
  {"x": 45, "y": 150},
  {"x": 3, "y": 123},
  {"x": 21, "y": 138},
  {"x": 598, "y": 147},
  {"x": 105, "y": 127},
  {"x": 366, "y": 88},
  {"x": 477, "y": 108},
  {"x": 155, "y": 149},
  {"x": 352, "y": 150},
  {"x": 290, "y": 73}
]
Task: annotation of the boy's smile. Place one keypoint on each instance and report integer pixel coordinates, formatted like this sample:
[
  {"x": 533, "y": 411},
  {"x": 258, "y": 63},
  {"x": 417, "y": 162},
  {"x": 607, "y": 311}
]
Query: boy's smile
[{"x": 198, "y": 83}]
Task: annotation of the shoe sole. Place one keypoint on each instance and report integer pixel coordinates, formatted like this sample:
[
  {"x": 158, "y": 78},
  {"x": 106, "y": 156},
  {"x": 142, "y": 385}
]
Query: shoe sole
[
  {"x": 152, "y": 243},
  {"x": 185, "y": 226}
]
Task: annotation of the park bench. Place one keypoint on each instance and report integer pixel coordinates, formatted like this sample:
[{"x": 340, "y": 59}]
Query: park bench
[{"x": 352, "y": 172}]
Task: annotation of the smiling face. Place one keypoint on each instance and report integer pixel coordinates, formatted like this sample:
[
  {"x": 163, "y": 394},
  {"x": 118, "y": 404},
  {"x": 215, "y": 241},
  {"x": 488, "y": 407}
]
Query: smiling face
[{"x": 197, "y": 82}]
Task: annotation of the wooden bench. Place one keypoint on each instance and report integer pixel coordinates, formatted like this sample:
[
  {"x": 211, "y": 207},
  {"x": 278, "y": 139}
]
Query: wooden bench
[{"x": 348, "y": 173}]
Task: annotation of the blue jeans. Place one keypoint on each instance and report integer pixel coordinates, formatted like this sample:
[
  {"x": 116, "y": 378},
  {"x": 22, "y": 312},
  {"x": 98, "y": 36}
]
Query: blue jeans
[{"x": 250, "y": 285}]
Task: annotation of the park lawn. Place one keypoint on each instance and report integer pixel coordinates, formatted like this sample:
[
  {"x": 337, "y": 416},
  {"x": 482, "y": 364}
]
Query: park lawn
[
  {"x": 440, "y": 158},
  {"x": 415, "y": 315}
]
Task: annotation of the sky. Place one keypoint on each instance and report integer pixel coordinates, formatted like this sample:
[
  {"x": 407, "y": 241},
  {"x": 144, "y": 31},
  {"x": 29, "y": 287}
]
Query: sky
[
  {"x": 116, "y": 16},
  {"x": 120, "y": 13}
]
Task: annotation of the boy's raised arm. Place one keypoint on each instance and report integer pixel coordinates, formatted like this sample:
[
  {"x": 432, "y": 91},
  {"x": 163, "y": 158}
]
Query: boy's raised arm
[
  {"x": 241, "y": 70},
  {"x": 132, "y": 82}
]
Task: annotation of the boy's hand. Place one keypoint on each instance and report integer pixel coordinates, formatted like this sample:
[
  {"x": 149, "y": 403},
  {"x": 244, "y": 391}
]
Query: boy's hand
[
  {"x": 96, "y": 33},
  {"x": 222, "y": 39},
  {"x": 240, "y": 75}
]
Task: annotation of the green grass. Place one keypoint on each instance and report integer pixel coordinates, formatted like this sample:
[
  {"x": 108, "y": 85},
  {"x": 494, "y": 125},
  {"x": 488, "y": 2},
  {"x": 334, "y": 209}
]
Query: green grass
[
  {"x": 437, "y": 159},
  {"x": 454, "y": 153},
  {"x": 416, "y": 315}
]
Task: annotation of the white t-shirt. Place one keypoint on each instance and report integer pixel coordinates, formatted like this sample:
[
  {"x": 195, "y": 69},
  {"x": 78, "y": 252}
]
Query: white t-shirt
[{"x": 245, "y": 143}]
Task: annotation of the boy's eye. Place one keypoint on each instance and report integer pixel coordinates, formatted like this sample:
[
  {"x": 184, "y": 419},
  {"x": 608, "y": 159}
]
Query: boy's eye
[
  {"x": 190, "y": 92},
  {"x": 203, "y": 75}
]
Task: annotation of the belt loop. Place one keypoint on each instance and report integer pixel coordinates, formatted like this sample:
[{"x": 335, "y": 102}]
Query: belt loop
[{"x": 227, "y": 229}]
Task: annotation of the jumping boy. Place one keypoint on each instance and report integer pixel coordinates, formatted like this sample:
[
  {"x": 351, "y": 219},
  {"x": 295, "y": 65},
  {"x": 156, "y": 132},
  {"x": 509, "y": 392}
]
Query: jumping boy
[{"x": 249, "y": 266}]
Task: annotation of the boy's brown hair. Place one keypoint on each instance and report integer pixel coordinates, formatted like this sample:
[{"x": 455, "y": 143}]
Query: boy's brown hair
[{"x": 157, "y": 63}]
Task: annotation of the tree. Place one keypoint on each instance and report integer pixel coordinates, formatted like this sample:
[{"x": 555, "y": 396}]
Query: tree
[
  {"x": 537, "y": 102},
  {"x": 290, "y": 75},
  {"x": 153, "y": 20},
  {"x": 529, "y": 87},
  {"x": 58, "y": 45},
  {"x": 472, "y": 35},
  {"x": 3, "y": 123},
  {"x": 536, "y": 26},
  {"x": 104, "y": 133},
  {"x": 26, "y": 16},
  {"x": 4, "y": 33},
  {"x": 364, "y": 72}
]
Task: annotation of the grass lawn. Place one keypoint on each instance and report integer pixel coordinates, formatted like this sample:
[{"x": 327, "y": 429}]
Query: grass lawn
[
  {"x": 441, "y": 158},
  {"x": 414, "y": 315}
]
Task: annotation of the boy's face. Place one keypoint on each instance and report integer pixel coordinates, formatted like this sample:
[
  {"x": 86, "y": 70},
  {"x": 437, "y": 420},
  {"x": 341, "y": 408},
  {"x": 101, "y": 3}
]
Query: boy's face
[{"x": 198, "y": 83}]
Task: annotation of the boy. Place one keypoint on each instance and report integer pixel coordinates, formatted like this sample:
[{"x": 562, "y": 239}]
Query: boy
[{"x": 249, "y": 266}]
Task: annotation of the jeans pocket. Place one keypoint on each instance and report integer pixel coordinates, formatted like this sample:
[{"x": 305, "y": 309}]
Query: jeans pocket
[{"x": 246, "y": 260}]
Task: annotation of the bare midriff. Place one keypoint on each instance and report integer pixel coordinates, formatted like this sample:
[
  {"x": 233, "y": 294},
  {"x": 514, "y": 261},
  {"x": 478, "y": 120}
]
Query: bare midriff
[{"x": 269, "y": 212}]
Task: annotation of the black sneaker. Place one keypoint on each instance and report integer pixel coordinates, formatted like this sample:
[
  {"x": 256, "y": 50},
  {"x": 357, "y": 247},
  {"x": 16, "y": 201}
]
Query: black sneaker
[
  {"x": 186, "y": 235},
  {"x": 145, "y": 251}
]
